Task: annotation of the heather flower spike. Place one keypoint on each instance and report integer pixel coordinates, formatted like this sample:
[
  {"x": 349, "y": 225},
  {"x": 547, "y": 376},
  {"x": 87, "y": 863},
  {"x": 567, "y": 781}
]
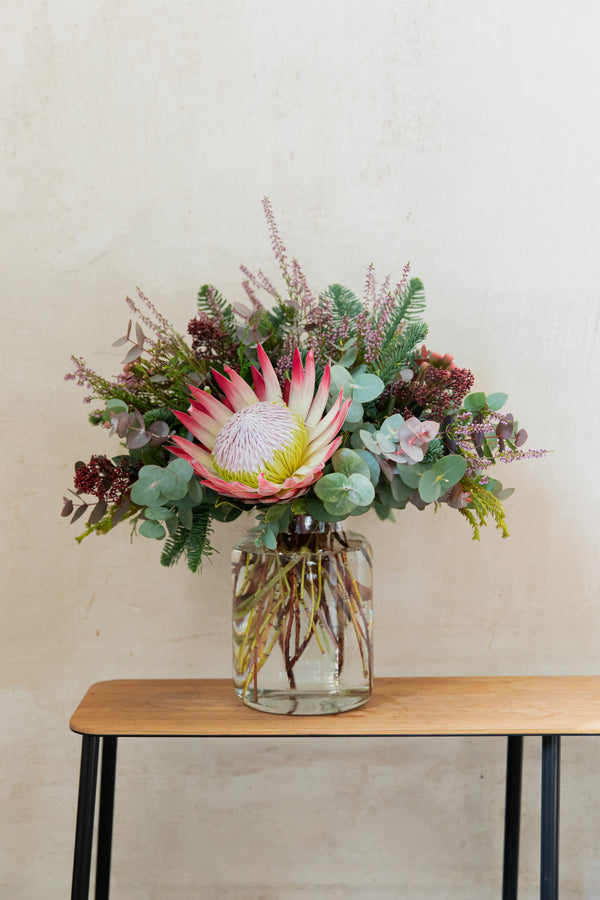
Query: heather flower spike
[{"x": 260, "y": 446}]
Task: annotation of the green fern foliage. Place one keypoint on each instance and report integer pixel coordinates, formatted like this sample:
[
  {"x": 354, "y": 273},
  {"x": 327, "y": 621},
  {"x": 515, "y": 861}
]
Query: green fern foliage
[
  {"x": 174, "y": 547},
  {"x": 194, "y": 541},
  {"x": 198, "y": 544}
]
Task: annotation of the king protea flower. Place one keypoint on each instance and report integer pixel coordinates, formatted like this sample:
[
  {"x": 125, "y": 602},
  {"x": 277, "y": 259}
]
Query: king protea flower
[{"x": 262, "y": 445}]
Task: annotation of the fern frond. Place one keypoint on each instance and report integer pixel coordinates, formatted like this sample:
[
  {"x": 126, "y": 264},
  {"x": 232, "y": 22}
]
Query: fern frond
[
  {"x": 198, "y": 543},
  {"x": 174, "y": 547}
]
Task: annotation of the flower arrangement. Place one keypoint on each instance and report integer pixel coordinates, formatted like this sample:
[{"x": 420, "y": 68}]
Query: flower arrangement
[{"x": 309, "y": 404}]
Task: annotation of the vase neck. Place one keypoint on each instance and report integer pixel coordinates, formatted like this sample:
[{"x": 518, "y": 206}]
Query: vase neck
[{"x": 307, "y": 525}]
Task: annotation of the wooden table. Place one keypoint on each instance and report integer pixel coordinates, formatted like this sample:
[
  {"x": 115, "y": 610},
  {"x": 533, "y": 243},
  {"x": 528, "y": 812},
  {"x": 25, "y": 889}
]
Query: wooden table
[{"x": 507, "y": 706}]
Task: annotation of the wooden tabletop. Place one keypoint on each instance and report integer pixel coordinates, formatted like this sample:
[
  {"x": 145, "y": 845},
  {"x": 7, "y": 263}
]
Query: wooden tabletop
[{"x": 398, "y": 706}]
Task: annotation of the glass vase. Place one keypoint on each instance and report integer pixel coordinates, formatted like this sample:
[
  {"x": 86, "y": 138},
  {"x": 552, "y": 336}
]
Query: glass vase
[{"x": 302, "y": 621}]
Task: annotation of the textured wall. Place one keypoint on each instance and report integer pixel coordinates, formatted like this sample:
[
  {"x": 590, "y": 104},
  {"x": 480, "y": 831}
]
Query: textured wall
[{"x": 137, "y": 141}]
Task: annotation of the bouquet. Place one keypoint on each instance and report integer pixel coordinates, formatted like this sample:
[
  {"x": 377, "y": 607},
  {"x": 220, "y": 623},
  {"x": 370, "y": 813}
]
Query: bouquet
[
  {"x": 292, "y": 403},
  {"x": 306, "y": 409}
]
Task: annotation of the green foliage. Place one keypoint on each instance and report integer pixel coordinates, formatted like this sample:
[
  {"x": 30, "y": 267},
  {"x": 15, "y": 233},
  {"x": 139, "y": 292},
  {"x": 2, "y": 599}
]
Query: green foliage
[
  {"x": 410, "y": 306},
  {"x": 441, "y": 476},
  {"x": 277, "y": 320},
  {"x": 483, "y": 504},
  {"x": 345, "y": 305},
  {"x": 398, "y": 351},
  {"x": 212, "y": 303},
  {"x": 193, "y": 541}
]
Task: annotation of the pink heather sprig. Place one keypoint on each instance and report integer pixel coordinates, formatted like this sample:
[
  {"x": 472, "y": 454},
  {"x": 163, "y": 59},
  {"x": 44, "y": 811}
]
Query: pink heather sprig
[
  {"x": 286, "y": 357},
  {"x": 83, "y": 376},
  {"x": 385, "y": 287},
  {"x": 369, "y": 294},
  {"x": 158, "y": 324},
  {"x": 475, "y": 463},
  {"x": 258, "y": 282},
  {"x": 277, "y": 244},
  {"x": 301, "y": 290}
]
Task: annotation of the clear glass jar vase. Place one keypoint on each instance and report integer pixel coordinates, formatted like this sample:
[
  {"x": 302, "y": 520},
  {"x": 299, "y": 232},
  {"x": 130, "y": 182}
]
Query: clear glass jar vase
[{"x": 302, "y": 621}]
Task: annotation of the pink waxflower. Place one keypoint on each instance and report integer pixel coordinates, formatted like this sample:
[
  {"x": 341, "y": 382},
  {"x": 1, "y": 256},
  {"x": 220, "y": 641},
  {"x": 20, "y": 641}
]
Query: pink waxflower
[
  {"x": 256, "y": 445},
  {"x": 413, "y": 438}
]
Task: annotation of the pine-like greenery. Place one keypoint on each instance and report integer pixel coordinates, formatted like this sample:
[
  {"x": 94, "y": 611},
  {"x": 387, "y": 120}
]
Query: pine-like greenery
[
  {"x": 345, "y": 305},
  {"x": 484, "y": 504},
  {"x": 398, "y": 350}
]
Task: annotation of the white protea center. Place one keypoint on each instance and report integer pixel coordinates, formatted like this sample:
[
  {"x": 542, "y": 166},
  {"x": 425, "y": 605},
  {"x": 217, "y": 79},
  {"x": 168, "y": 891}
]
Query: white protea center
[{"x": 266, "y": 438}]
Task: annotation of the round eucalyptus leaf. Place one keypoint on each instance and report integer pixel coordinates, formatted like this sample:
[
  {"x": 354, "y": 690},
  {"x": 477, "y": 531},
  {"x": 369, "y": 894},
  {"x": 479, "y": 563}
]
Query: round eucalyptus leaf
[
  {"x": 372, "y": 465},
  {"x": 505, "y": 493},
  {"x": 116, "y": 406},
  {"x": 430, "y": 488},
  {"x": 340, "y": 507},
  {"x": 182, "y": 469},
  {"x": 348, "y": 461},
  {"x": 350, "y": 355},
  {"x": 449, "y": 470},
  {"x": 151, "y": 529},
  {"x": 369, "y": 441},
  {"x": 411, "y": 475},
  {"x": 386, "y": 443},
  {"x": 496, "y": 401},
  {"x": 360, "y": 489},
  {"x": 474, "y": 402},
  {"x": 400, "y": 490},
  {"x": 158, "y": 512},
  {"x": 145, "y": 492},
  {"x": 340, "y": 377},
  {"x": 269, "y": 539},
  {"x": 330, "y": 487},
  {"x": 186, "y": 516},
  {"x": 315, "y": 508},
  {"x": 178, "y": 491},
  {"x": 355, "y": 412},
  {"x": 367, "y": 387},
  {"x": 195, "y": 491},
  {"x": 392, "y": 424}
]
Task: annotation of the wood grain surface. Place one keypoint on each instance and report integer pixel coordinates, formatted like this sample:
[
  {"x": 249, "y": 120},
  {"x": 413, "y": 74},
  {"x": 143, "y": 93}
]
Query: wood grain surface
[{"x": 398, "y": 706}]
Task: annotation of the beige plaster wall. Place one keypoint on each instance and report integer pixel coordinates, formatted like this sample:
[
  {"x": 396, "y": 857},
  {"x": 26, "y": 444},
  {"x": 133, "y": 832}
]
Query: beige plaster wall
[{"x": 137, "y": 140}]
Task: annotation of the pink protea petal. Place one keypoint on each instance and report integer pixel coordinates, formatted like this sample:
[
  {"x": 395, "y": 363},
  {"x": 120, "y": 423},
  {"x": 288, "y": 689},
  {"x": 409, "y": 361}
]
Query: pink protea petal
[
  {"x": 319, "y": 455},
  {"x": 303, "y": 384},
  {"x": 235, "y": 389},
  {"x": 286, "y": 390},
  {"x": 271, "y": 381},
  {"x": 318, "y": 405},
  {"x": 215, "y": 409},
  {"x": 200, "y": 425},
  {"x": 329, "y": 426},
  {"x": 259, "y": 384},
  {"x": 194, "y": 453}
]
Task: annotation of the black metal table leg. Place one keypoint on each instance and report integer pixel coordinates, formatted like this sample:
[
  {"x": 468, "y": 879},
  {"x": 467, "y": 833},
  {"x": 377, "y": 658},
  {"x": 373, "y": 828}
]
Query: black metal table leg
[
  {"x": 105, "y": 816},
  {"x": 512, "y": 816},
  {"x": 84, "y": 829},
  {"x": 550, "y": 816}
]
